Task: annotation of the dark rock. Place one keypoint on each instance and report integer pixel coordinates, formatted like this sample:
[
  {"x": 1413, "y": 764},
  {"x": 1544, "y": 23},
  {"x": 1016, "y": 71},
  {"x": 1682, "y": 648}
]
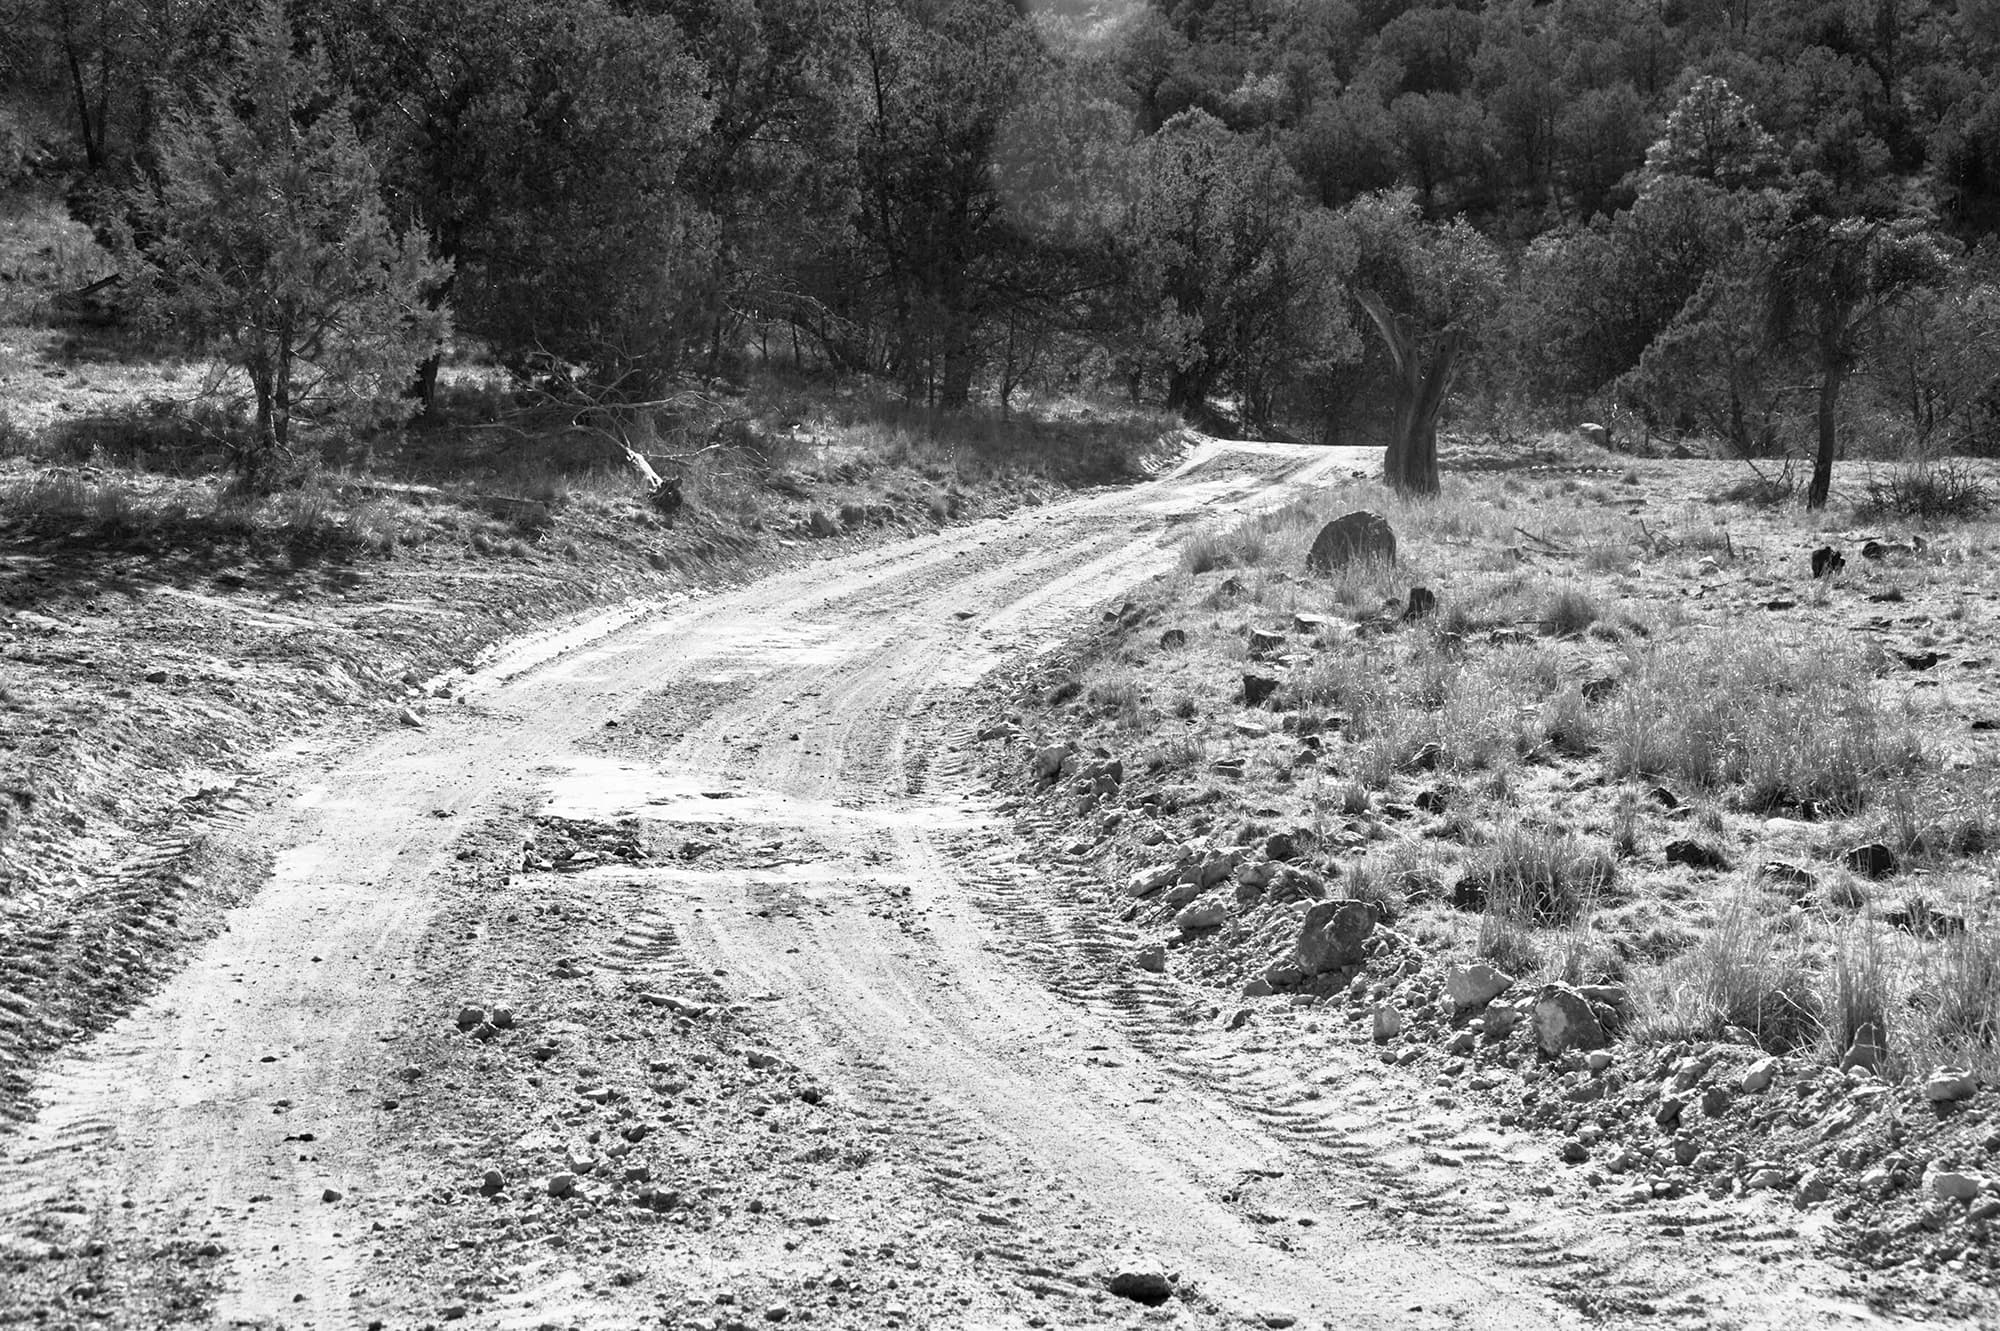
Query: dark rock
[
  {"x": 1921, "y": 660},
  {"x": 1360, "y": 535},
  {"x": 1426, "y": 758},
  {"x": 1173, "y": 639},
  {"x": 1873, "y": 860},
  {"x": 1264, "y": 643},
  {"x": 1142, "y": 1282},
  {"x": 1797, "y": 879},
  {"x": 1257, "y": 688},
  {"x": 1918, "y": 917},
  {"x": 1423, "y": 602},
  {"x": 1332, "y": 934},
  {"x": 1431, "y": 800},
  {"x": 1696, "y": 855},
  {"x": 1280, "y": 846},
  {"x": 1827, "y": 560},
  {"x": 1663, "y": 797}
]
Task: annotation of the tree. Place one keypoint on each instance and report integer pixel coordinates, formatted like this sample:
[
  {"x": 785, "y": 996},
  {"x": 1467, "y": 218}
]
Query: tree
[
  {"x": 931, "y": 218},
  {"x": 267, "y": 232},
  {"x": 1428, "y": 289},
  {"x": 1210, "y": 226},
  {"x": 1713, "y": 135},
  {"x": 1827, "y": 280}
]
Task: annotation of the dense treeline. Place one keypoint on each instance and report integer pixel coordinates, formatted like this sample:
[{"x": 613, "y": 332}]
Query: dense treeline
[{"x": 1760, "y": 223}]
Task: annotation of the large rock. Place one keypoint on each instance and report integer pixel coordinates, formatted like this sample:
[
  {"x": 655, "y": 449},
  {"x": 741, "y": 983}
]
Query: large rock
[
  {"x": 1475, "y": 985},
  {"x": 1331, "y": 937},
  {"x": 1563, "y": 1020},
  {"x": 1145, "y": 882},
  {"x": 1360, "y": 535}
]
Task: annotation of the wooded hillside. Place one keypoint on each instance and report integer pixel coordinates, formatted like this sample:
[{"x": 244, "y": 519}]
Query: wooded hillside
[{"x": 1760, "y": 224}]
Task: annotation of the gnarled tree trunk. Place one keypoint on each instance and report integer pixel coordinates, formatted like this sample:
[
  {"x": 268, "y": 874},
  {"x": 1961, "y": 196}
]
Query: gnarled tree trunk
[{"x": 1423, "y": 378}]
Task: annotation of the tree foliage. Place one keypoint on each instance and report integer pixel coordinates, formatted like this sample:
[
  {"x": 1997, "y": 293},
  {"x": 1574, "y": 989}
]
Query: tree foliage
[{"x": 266, "y": 233}]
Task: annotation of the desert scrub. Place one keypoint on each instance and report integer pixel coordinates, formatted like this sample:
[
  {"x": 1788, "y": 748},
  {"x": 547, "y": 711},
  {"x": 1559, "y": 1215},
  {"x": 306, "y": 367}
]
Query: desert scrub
[
  {"x": 1785, "y": 723},
  {"x": 1742, "y": 972},
  {"x": 1536, "y": 876}
]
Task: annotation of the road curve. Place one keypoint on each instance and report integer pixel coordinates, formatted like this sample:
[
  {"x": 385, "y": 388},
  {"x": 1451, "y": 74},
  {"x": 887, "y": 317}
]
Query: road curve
[{"x": 821, "y": 706}]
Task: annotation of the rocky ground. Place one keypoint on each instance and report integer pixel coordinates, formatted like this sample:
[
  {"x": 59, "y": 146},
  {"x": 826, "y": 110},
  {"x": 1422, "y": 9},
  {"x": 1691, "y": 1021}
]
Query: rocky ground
[
  {"x": 1281, "y": 828},
  {"x": 689, "y": 969}
]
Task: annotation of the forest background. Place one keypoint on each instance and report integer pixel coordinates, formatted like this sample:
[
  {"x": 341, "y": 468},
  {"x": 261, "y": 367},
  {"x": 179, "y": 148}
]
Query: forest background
[{"x": 1762, "y": 226}]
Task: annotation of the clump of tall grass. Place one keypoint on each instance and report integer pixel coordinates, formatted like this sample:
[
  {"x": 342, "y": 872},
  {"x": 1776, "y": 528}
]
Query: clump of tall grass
[
  {"x": 1786, "y": 722},
  {"x": 1743, "y": 972},
  {"x": 1537, "y": 876}
]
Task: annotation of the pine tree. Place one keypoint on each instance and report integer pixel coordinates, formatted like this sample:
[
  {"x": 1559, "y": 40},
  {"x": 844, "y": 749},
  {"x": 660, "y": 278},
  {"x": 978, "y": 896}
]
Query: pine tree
[{"x": 266, "y": 238}]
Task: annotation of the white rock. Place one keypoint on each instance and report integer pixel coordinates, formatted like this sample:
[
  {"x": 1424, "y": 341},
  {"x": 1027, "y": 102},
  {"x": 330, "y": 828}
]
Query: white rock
[
  {"x": 1954, "y": 1185},
  {"x": 1765, "y": 1178},
  {"x": 1388, "y": 1023},
  {"x": 1759, "y": 1075},
  {"x": 1148, "y": 881},
  {"x": 1204, "y": 914},
  {"x": 1949, "y": 1083},
  {"x": 1597, "y": 1060},
  {"x": 1476, "y": 984}
]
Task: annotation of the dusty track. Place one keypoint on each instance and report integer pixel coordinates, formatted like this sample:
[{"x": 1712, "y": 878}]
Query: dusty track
[{"x": 972, "y": 1008}]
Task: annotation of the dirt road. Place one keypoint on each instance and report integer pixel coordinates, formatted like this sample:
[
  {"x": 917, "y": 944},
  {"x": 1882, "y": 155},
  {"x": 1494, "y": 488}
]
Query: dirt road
[{"x": 798, "y": 1028}]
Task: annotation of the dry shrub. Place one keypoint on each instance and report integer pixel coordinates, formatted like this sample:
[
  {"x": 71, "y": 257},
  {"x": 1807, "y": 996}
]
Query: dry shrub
[
  {"x": 1568, "y": 613},
  {"x": 1928, "y": 491},
  {"x": 1786, "y": 721},
  {"x": 1857, "y": 988},
  {"x": 1958, "y": 1002},
  {"x": 1743, "y": 972},
  {"x": 1536, "y": 876}
]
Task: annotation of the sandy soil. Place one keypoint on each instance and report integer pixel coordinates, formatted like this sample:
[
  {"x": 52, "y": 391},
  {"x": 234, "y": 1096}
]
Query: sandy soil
[{"x": 684, "y": 974}]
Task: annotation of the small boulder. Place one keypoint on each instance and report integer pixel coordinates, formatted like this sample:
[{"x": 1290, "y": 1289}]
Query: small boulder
[
  {"x": 1357, "y": 536},
  {"x": 1764, "y": 1178},
  {"x": 1257, "y": 688},
  {"x": 1948, "y": 1084},
  {"x": 1953, "y": 1185},
  {"x": 1563, "y": 1020},
  {"x": 1048, "y": 761},
  {"x": 1151, "y": 957},
  {"x": 1595, "y": 434},
  {"x": 1331, "y": 936},
  {"x": 1422, "y": 604},
  {"x": 1696, "y": 855},
  {"x": 1173, "y": 639},
  {"x": 1758, "y": 1076},
  {"x": 1827, "y": 561},
  {"x": 1388, "y": 1022},
  {"x": 1474, "y": 985},
  {"x": 1145, "y": 882},
  {"x": 1208, "y": 913},
  {"x": 1280, "y": 846},
  {"x": 1264, "y": 643},
  {"x": 1814, "y": 1188},
  {"x": 1873, "y": 860},
  {"x": 562, "y": 1185},
  {"x": 1144, "y": 1280}
]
